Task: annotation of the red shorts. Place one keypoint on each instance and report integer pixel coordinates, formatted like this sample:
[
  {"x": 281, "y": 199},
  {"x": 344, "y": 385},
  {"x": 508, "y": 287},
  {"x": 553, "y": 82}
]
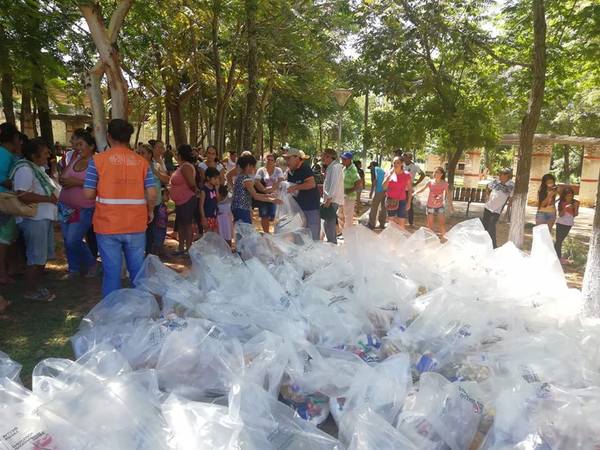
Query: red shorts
[{"x": 212, "y": 224}]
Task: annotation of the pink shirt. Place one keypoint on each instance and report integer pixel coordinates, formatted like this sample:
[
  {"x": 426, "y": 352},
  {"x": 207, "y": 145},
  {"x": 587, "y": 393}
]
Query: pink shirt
[
  {"x": 180, "y": 191},
  {"x": 398, "y": 185},
  {"x": 436, "y": 194},
  {"x": 73, "y": 196}
]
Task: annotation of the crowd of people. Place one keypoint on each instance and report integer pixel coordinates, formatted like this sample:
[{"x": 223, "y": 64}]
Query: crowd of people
[{"x": 115, "y": 204}]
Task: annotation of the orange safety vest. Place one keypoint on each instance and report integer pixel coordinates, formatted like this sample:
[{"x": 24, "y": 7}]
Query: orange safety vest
[{"x": 120, "y": 201}]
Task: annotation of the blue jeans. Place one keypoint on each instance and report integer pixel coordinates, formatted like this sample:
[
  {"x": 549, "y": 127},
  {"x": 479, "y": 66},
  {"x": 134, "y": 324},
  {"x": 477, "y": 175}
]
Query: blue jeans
[
  {"x": 112, "y": 247},
  {"x": 330, "y": 226},
  {"x": 242, "y": 215},
  {"x": 313, "y": 223},
  {"x": 79, "y": 255}
]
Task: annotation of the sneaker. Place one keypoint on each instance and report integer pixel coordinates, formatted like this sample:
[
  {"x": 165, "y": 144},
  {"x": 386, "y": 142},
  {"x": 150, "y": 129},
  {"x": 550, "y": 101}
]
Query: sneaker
[{"x": 42, "y": 295}]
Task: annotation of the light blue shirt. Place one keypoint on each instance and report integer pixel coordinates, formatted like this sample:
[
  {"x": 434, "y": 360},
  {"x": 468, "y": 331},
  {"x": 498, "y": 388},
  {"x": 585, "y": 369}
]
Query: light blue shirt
[
  {"x": 7, "y": 161},
  {"x": 379, "y": 176}
]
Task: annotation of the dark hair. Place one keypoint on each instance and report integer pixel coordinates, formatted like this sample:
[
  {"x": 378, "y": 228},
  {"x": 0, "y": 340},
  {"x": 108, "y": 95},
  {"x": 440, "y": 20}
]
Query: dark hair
[
  {"x": 211, "y": 172},
  {"x": 223, "y": 191},
  {"x": 186, "y": 153},
  {"x": 441, "y": 169},
  {"x": 152, "y": 142},
  {"x": 32, "y": 147},
  {"x": 8, "y": 131},
  {"x": 231, "y": 152},
  {"x": 358, "y": 163},
  {"x": 331, "y": 153},
  {"x": 169, "y": 147},
  {"x": 246, "y": 160},
  {"x": 543, "y": 192},
  {"x": 24, "y": 138},
  {"x": 89, "y": 129},
  {"x": 563, "y": 194},
  {"x": 86, "y": 136},
  {"x": 120, "y": 130}
]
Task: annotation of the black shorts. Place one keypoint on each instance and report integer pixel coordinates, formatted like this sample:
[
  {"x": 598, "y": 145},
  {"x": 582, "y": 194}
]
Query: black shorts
[{"x": 186, "y": 214}]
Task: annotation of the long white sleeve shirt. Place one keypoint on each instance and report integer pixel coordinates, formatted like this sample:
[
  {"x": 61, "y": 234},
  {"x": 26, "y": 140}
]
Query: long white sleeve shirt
[{"x": 333, "y": 185}]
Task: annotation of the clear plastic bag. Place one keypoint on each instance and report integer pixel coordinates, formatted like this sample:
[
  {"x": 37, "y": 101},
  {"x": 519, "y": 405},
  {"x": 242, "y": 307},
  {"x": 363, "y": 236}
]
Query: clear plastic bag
[
  {"x": 289, "y": 215},
  {"x": 123, "y": 305},
  {"x": 8, "y": 368}
]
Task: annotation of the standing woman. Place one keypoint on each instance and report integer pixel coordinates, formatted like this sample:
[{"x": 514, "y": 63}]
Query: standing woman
[
  {"x": 183, "y": 192},
  {"x": 399, "y": 192},
  {"x": 267, "y": 181},
  {"x": 75, "y": 210},
  {"x": 152, "y": 236},
  {"x": 438, "y": 193},
  {"x": 33, "y": 185},
  {"x": 546, "y": 213},
  {"x": 568, "y": 209},
  {"x": 211, "y": 160}
]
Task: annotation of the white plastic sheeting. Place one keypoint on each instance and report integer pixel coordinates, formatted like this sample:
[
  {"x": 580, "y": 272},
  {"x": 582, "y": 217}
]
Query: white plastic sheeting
[{"x": 392, "y": 341}]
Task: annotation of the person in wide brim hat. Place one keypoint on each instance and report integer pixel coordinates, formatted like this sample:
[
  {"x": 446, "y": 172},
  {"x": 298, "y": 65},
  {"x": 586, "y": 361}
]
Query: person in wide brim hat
[{"x": 295, "y": 152}]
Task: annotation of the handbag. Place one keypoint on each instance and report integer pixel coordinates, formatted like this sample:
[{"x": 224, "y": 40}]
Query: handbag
[
  {"x": 391, "y": 204},
  {"x": 11, "y": 204}
]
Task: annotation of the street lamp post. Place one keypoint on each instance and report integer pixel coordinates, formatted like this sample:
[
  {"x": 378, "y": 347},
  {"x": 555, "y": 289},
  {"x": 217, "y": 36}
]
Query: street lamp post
[{"x": 341, "y": 97}]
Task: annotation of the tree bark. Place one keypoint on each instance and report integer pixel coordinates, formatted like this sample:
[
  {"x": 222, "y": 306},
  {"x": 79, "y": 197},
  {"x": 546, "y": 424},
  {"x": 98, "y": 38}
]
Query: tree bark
[
  {"x": 239, "y": 134},
  {"x": 40, "y": 95},
  {"x": 159, "y": 121},
  {"x": 93, "y": 87},
  {"x": 105, "y": 42},
  {"x": 529, "y": 125},
  {"x": 320, "y": 121},
  {"x": 566, "y": 164},
  {"x": 34, "y": 116},
  {"x": 177, "y": 122},
  {"x": 591, "y": 277},
  {"x": 167, "y": 127},
  {"x": 366, "y": 127},
  {"x": 452, "y": 164},
  {"x": 26, "y": 116},
  {"x": 6, "y": 82},
  {"x": 193, "y": 119},
  {"x": 249, "y": 128}
]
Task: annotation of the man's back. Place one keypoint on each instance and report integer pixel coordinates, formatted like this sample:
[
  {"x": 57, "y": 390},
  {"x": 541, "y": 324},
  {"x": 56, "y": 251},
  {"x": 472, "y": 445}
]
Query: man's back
[{"x": 120, "y": 184}]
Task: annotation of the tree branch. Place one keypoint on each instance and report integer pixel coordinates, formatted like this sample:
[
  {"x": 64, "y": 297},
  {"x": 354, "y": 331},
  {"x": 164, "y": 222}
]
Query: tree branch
[{"x": 117, "y": 19}]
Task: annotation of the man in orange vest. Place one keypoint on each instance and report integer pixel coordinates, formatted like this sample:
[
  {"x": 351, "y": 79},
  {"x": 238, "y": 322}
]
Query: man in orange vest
[{"x": 123, "y": 185}]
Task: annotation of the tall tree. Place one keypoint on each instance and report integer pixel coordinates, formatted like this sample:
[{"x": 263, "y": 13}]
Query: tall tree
[
  {"x": 249, "y": 127},
  {"x": 6, "y": 78},
  {"x": 529, "y": 124},
  {"x": 591, "y": 278}
]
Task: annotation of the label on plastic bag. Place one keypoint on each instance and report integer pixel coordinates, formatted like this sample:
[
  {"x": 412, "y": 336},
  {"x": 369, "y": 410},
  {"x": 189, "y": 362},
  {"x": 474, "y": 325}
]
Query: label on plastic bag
[{"x": 17, "y": 439}]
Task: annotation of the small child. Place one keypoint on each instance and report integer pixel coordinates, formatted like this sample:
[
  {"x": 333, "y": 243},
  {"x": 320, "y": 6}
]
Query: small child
[
  {"x": 224, "y": 217},
  {"x": 568, "y": 209},
  {"x": 160, "y": 223},
  {"x": 438, "y": 191},
  {"x": 208, "y": 200}
]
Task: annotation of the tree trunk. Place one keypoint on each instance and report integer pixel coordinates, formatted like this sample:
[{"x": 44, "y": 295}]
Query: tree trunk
[
  {"x": 452, "y": 164},
  {"x": 34, "y": 117},
  {"x": 159, "y": 121},
  {"x": 239, "y": 134},
  {"x": 529, "y": 125},
  {"x": 591, "y": 277},
  {"x": 271, "y": 132},
  {"x": 40, "y": 95},
  {"x": 26, "y": 116},
  {"x": 249, "y": 128},
  {"x": 105, "y": 41},
  {"x": 139, "y": 129},
  {"x": 177, "y": 123},
  {"x": 167, "y": 127},
  {"x": 93, "y": 87},
  {"x": 320, "y": 121},
  {"x": 193, "y": 119},
  {"x": 6, "y": 82},
  {"x": 566, "y": 164}
]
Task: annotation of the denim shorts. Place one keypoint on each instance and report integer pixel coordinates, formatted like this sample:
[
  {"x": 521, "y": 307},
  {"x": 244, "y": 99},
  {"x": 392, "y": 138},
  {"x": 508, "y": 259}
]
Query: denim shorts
[
  {"x": 267, "y": 210},
  {"x": 545, "y": 217},
  {"x": 436, "y": 211},
  {"x": 39, "y": 240},
  {"x": 242, "y": 215},
  {"x": 400, "y": 212}
]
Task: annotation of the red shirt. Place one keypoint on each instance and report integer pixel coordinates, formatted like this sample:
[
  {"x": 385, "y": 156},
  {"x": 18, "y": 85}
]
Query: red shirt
[{"x": 398, "y": 185}]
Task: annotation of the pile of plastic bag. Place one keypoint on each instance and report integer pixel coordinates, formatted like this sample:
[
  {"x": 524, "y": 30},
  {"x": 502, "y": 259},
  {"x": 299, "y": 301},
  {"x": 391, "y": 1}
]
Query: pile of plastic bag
[{"x": 391, "y": 341}]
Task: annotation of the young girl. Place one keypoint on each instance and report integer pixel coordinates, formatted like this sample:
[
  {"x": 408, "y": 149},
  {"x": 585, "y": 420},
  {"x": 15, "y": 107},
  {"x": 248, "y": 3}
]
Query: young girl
[
  {"x": 568, "y": 209},
  {"x": 224, "y": 217},
  {"x": 546, "y": 212},
  {"x": 208, "y": 200},
  {"x": 244, "y": 192},
  {"x": 438, "y": 189}
]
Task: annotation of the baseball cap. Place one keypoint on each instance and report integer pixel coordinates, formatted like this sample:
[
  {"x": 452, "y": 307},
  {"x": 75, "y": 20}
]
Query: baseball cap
[
  {"x": 506, "y": 171},
  {"x": 347, "y": 155},
  {"x": 295, "y": 152}
]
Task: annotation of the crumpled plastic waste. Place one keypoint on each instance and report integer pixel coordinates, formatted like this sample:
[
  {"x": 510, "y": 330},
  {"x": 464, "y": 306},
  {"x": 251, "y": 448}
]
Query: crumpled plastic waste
[{"x": 391, "y": 341}]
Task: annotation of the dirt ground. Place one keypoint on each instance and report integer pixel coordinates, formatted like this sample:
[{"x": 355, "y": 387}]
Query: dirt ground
[{"x": 30, "y": 332}]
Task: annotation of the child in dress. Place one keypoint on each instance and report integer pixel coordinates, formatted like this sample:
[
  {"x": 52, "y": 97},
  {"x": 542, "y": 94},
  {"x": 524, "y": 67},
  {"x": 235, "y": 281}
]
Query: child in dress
[
  {"x": 436, "y": 207},
  {"x": 208, "y": 200},
  {"x": 224, "y": 216}
]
